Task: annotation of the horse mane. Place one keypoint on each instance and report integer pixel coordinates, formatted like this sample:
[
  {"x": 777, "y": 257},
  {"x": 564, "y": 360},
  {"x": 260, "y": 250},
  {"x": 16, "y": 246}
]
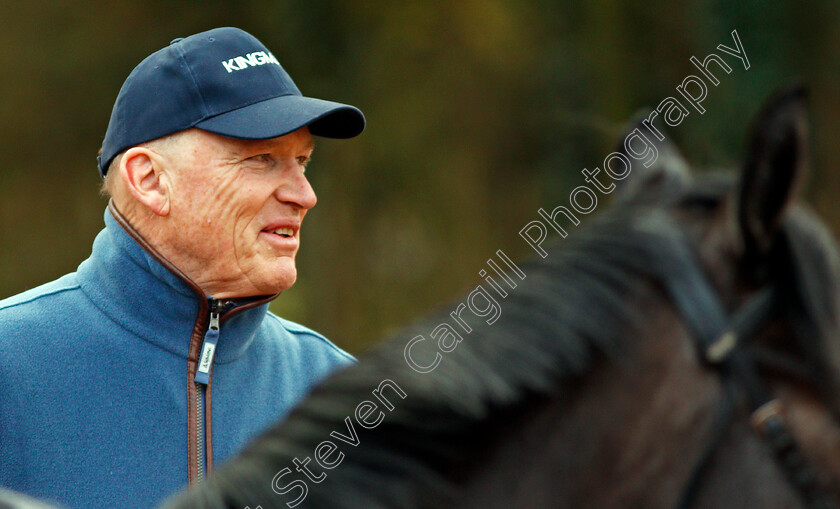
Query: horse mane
[{"x": 572, "y": 310}]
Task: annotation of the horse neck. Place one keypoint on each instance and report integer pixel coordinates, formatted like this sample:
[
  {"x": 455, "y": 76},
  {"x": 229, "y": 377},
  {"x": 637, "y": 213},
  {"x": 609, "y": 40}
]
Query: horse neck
[{"x": 620, "y": 437}]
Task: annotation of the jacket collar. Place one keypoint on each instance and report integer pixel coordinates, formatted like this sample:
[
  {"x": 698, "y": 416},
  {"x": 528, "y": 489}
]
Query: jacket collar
[{"x": 149, "y": 297}]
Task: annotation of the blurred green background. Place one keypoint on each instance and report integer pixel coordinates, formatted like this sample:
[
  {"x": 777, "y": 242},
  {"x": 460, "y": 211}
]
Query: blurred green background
[{"x": 479, "y": 112}]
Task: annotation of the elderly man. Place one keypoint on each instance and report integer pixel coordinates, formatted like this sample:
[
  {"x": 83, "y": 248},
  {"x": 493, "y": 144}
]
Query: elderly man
[{"x": 123, "y": 381}]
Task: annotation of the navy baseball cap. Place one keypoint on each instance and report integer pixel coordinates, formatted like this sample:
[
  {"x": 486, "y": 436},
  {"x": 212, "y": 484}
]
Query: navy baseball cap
[{"x": 223, "y": 81}]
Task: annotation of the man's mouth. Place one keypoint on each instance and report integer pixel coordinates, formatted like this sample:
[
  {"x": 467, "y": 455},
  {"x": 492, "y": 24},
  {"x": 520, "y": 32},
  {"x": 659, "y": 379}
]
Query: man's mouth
[{"x": 283, "y": 232}]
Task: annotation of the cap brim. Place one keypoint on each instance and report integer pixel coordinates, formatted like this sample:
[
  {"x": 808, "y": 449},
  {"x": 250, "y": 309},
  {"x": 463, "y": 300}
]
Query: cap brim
[{"x": 282, "y": 115}]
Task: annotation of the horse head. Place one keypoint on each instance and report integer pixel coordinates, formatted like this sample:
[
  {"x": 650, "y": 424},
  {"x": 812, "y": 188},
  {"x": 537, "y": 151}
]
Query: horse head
[
  {"x": 682, "y": 350},
  {"x": 762, "y": 310}
]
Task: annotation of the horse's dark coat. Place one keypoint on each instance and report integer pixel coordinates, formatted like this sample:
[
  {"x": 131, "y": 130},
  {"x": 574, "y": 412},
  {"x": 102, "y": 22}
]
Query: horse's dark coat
[{"x": 574, "y": 310}]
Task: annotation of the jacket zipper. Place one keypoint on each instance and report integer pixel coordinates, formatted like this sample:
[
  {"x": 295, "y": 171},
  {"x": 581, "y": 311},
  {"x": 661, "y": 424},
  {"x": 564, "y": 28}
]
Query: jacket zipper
[
  {"x": 196, "y": 390},
  {"x": 202, "y": 380}
]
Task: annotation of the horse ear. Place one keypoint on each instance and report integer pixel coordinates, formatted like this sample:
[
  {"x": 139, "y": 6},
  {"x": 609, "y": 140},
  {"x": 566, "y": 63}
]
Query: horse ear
[
  {"x": 775, "y": 164},
  {"x": 658, "y": 168}
]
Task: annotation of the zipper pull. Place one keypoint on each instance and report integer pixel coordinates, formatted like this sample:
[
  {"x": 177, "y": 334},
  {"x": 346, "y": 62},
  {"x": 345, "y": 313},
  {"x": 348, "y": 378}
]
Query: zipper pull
[{"x": 208, "y": 348}]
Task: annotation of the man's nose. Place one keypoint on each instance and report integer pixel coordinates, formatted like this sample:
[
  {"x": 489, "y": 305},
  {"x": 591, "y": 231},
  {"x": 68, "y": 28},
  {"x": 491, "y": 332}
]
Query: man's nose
[{"x": 298, "y": 191}]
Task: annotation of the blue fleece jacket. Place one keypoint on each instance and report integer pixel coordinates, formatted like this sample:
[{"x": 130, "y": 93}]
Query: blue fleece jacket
[{"x": 94, "y": 378}]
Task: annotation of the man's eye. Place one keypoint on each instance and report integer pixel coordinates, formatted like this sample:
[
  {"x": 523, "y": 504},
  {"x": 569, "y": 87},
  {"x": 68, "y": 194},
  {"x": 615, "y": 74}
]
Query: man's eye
[
  {"x": 261, "y": 158},
  {"x": 303, "y": 160}
]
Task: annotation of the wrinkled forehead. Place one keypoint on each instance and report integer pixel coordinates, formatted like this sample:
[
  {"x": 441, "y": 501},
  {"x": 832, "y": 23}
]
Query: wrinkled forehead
[{"x": 199, "y": 144}]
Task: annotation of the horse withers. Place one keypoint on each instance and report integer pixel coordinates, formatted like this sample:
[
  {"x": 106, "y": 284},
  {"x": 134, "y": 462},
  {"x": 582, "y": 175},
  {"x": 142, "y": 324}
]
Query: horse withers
[{"x": 682, "y": 350}]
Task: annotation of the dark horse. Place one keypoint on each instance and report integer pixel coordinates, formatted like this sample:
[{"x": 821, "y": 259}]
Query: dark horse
[{"x": 680, "y": 351}]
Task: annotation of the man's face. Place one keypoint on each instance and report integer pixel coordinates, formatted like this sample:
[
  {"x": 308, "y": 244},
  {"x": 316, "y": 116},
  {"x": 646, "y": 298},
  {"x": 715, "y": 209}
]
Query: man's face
[{"x": 236, "y": 211}]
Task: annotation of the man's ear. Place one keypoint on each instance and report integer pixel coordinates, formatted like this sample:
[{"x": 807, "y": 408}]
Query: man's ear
[{"x": 142, "y": 172}]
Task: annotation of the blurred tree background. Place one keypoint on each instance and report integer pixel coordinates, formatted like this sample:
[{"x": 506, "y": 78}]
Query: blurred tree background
[{"x": 479, "y": 112}]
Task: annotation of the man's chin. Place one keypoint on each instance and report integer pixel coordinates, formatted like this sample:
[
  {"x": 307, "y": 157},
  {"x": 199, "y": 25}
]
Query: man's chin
[
  {"x": 272, "y": 277},
  {"x": 285, "y": 285},
  {"x": 283, "y": 280}
]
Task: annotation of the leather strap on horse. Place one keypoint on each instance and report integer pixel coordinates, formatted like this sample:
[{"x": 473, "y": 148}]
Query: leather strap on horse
[{"x": 720, "y": 339}]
